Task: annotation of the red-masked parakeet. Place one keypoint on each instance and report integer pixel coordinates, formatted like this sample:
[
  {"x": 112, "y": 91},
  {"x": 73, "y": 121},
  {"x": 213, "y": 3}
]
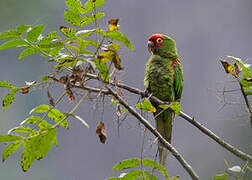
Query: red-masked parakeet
[{"x": 164, "y": 80}]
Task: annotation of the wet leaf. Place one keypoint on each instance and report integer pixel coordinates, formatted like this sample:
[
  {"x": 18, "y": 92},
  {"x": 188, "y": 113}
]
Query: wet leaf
[{"x": 101, "y": 132}]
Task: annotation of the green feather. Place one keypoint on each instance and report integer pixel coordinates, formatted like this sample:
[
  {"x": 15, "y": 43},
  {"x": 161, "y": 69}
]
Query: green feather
[{"x": 164, "y": 79}]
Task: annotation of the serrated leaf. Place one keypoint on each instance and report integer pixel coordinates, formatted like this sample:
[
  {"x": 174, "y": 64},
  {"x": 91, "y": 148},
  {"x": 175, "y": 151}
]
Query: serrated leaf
[
  {"x": 27, "y": 52},
  {"x": 92, "y": 4},
  {"x": 12, "y": 43},
  {"x": 128, "y": 163},
  {"x": 103, "y": 69},
  {"x": 10, "y": 34},
  {"x": 5, "y": 84},
  {"x": 57, "y": 116},
  {"x": 9, "y": 137},
  {"x": 37, "y": 147},
  {"x": 34, "y": 33},
  {"x": 118, "y": 36},
  {"x": 81, "y": 120},
  {"x": 21, "y": 129},
  {"x": 146, "y": 106},
  {"x": 40, "y": 109},
  {"x": 10, "y": 149},
  {"x": 235, "y": 169},
  {"x": 7, "y": 100},
  {"x": 22, "y": 28},
  {"x": 220, "y": 177},
  {"x": 75, "y": 6},
  {"x": 31, "y": 120},
  {"x": 133, "y": 174},
  {"x": 175, "y": 107}
]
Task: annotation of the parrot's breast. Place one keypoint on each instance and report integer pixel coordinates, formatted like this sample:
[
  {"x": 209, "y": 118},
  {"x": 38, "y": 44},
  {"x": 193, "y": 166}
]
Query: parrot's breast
[{"x": 159, "y": 78}]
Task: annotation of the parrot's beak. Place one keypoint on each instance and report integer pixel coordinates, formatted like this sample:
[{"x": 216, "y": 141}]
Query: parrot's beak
[{"x": 150, "y": 46}]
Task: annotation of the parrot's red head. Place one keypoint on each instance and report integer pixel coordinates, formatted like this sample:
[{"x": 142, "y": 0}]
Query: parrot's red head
[{"x": 155, "y": 41}]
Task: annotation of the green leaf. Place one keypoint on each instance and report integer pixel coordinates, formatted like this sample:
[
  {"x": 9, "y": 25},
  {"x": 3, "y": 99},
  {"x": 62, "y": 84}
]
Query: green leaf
[
  {"x": 44, "y": 125},
  {"x": 175, "y": 178},
  {"x": 68, "y": 32},
  {"x": 22, "y": 28},
  {"x": 37, "y": 147},
  {"x": 10, "y": 149},
  {"x": 10, "y": 34},
  {"x": 45, "y": 78},
  {"x": 40, "y": 109},
  {"x": 75, "y": 6},
  {"x": 248, "y": 93},
  {"x": 27, "y": 52},
  {"x": 118, "y": 36},
  {"x": 113, "y": 47},
  {"x": 57, "y": 116},
  {"x": 5, "y": 84},
  {"x": 164, "y": 106},
  {"x": 128, "y": 163},
  {"x": 72, "y": 18},
  {"x": 150, "y": 176},
  {"x": 85, "y": 20},
  {"x": 92, "y": 4},
  {"x": 7, "y": 100},
  {"x": 133, "y": 174},
  {"x": 176, "y": 107},
  {"x": 31, "y": 120},
  {"x": 114, "y": 178},
  {"x": 9, "y": 137},
  {"x": 103, "y": 69},
  {"x": 220, "y": 176},
  {"x": 21, "y": 129},
  {"x": 151, "y": 163},
  {"x": 12, "y": 43},
  {"x": 14, "y": 90},
  {"x": 146, "y": 106},
  {"x": 34, "y": 33}
]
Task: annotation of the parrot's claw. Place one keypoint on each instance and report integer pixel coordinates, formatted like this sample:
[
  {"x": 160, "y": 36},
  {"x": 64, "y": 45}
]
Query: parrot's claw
[{"x": 146, "y": 94}]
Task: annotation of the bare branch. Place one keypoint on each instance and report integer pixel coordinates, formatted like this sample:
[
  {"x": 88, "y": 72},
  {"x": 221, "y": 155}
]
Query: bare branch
[{"x": 174, "y": 152}]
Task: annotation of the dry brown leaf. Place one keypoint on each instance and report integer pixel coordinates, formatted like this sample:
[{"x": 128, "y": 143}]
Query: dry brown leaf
[
  {"x": 101, "y": 132},
  {"x": 25, "y": 90},
  {"x": 51, "y": 101}
]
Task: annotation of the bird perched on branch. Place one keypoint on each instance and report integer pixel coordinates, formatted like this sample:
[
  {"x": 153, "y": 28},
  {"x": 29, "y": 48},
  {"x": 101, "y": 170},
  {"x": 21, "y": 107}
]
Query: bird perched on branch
[{"x": 164, "y": 80}]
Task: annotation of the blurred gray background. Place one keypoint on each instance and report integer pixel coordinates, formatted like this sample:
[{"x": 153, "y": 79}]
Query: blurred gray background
[{"x": 204, "y": 30}]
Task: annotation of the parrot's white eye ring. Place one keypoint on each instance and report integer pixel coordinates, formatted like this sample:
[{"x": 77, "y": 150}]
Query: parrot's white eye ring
[{"x": 159, "y": 40}]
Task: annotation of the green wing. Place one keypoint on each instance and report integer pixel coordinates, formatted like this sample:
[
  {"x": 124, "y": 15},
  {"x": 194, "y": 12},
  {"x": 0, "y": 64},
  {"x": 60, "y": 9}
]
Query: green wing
[{"x": 178, "y": 81}]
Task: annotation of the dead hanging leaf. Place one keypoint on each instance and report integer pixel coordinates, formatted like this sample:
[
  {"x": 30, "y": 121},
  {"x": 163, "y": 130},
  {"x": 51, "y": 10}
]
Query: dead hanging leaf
[
  {"x": 110, "y": 55},
  {"x": 229, "y": 68},
  {"x": 70, "y": 94},
  {"x": 113, "y": 24},
  {"x": 118, "y": 110},
  {"x": 237, "y": 69},
  {"x": 25, "y": 90},
  {"x": 50, "y": 98},
  {"x": 101, "y": 132}
]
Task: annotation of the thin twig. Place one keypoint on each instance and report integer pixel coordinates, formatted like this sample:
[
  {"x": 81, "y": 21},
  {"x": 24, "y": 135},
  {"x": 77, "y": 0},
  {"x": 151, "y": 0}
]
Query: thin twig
[
  {"x": 165, "y": 143},
  {"x": 191, "y": 120}
]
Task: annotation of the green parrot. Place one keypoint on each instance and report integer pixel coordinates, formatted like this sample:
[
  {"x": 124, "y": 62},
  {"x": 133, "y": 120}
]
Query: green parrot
[{"x": 164, "y": 80}]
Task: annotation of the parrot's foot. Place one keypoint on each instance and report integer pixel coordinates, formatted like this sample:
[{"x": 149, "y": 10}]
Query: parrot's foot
[{"x": 146, "y": 94}]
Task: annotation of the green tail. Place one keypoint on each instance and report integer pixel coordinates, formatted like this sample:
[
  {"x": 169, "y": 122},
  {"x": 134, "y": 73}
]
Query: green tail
[{"x": 164, "y": 121}]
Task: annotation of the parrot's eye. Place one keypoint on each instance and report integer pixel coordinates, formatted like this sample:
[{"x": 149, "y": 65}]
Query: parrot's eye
[{"x": 159, "y": 40}]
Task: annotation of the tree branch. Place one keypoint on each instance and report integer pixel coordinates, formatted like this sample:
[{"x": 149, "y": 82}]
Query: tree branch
[
  {"x": 191, "y": 120},
  {"x": 174, "y": 152}
]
